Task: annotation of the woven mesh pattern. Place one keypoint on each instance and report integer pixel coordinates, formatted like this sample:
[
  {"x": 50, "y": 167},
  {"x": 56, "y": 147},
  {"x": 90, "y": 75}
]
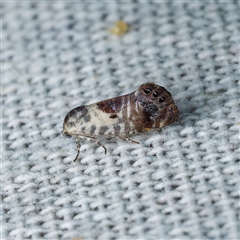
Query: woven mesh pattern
[{"x": 181, "y": 182}]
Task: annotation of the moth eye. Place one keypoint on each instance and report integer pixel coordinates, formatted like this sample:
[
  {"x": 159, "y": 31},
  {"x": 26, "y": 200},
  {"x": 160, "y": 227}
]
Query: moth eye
[
  {"x": 66, "y": 134},
  {"x": 147, "y": 90},
  {"x": 170, "y": 108},
  {"x": 156, "y": 94},
  {"x": 161, "y": 99}
]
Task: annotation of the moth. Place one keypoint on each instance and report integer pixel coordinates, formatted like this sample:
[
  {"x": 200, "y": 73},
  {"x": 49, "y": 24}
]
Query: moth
[{"x": 149, "y": 107}]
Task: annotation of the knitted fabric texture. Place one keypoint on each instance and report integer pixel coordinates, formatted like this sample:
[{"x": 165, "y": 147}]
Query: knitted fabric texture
[{"x": 181, "y": 182}]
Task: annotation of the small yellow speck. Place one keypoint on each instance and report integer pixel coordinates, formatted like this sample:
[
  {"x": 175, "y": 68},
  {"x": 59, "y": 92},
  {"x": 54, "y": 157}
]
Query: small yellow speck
[
  {"x": 120, "y": 28},
  {"x": 147, "y": 129}
]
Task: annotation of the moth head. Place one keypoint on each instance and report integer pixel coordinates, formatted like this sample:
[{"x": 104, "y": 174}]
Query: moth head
[{"x": 66, "y": 134}]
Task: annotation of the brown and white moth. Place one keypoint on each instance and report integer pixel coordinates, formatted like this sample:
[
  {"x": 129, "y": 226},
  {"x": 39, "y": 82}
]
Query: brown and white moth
[{"x": 149, "y": 107}]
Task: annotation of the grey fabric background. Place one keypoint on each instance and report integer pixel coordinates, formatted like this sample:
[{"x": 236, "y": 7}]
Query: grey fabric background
[{"x": 181, "y": 182}]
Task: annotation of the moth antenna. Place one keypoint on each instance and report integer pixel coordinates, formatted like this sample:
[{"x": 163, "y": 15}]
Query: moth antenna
[
  {"x": 128, "y": 139},
  {"x": 78, "y": 149}
]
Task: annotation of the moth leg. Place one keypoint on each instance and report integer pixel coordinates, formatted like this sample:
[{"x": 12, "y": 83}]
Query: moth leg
[
  {"x": 78, "y": 148},
  {"x": 94, "y": 140},
  {"x": 99, "y": 144},
  {"x": 128, "y": 139}
]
